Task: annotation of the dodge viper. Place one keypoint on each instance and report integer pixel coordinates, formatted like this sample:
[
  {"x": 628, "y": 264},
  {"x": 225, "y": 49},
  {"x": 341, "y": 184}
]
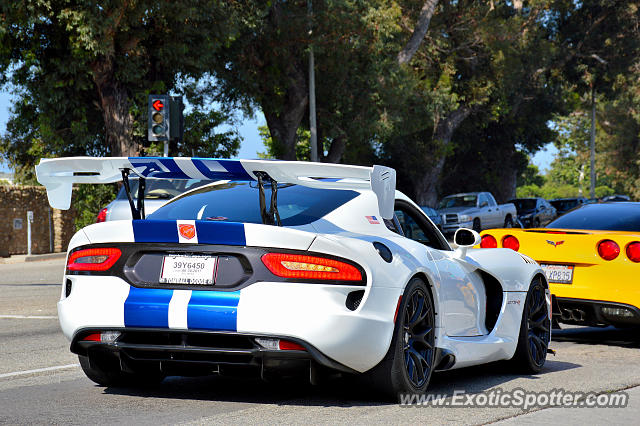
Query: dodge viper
[
  {"x": 591, "y": 256},
  {"x": 282, "y": 267}
]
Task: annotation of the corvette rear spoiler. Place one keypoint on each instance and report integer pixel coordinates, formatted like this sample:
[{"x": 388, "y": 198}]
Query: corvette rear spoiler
[{"x": 59, "y": 174}]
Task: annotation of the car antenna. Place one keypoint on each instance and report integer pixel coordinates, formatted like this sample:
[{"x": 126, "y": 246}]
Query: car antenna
[
  {"x": 271, "y": 217},
  {"x": 137, "y": 211}
]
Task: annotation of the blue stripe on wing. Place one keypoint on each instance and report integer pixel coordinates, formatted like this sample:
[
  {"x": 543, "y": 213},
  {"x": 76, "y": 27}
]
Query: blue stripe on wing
[{"x": 167, "y": 168}]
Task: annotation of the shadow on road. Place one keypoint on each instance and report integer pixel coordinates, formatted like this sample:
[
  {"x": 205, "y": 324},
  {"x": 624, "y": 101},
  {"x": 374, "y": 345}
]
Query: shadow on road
[
  {"x": 342, "y": 392},
  {"x": 611, "y": 336}
]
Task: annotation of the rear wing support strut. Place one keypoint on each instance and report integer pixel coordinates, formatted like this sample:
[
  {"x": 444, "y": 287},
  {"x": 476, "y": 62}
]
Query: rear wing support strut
[
  {"x": 271, "y": 217},
  {"x": 137, "y": 211}
]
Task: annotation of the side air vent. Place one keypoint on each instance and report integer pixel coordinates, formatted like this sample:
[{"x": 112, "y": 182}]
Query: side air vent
[
  {"x": 527, "y": 259},
  {"x": 353, "y": 299},
  {"x": 494, "y": 299}
]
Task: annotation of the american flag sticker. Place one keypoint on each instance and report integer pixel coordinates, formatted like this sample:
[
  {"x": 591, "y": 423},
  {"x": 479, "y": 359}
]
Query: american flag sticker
[{"x": 372, "y": 220}]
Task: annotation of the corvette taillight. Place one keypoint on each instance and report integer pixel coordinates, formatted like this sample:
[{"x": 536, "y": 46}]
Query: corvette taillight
[
  {"x": 288, "y": 265},
  {"x": 102, "y": 215},
  {"x": 608, "y": 250},
  {"x": 511, "y": 242},
  {"x": 633, "y": 251},
  {"x": 93, "y": 259},
  {"x": 488, "y": 241}
]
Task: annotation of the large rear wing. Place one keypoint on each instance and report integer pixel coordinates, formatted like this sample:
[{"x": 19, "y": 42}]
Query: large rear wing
[{"x": 59, "y": 174}]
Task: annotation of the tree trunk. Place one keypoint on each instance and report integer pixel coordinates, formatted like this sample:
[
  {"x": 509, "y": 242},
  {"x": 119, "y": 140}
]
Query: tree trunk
[
  {"x": 114, "y": 102},
  {"x": 336, "y": 150},
  {"x": 419, "y": 32},
  {"x": 426, "y": 191}
]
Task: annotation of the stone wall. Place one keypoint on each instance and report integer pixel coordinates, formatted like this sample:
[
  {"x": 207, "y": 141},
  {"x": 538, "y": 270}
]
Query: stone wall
[{"x": 51, "y": 228}]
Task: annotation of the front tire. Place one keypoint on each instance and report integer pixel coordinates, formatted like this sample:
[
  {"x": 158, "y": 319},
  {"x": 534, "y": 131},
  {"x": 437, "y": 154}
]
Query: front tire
[
  {"x": 535, "y": 331},
  {"x": 408, "y": 365}
]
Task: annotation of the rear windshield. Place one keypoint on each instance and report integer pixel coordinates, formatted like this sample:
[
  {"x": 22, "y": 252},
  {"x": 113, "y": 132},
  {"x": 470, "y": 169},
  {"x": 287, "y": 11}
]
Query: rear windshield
[
  {"x": 524, "y": 204},
  {"x": 240, "y": 202},
  {"x": 606, "y": 217}
]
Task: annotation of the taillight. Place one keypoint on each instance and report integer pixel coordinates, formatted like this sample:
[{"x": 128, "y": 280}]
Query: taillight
[
  {"x": 93, "y": 259},
  {"x": 633, "y": 251},
  {"x": 102, "y": 215},
  {"x": 608, "y": 250},
  {"x": 511, "y": 242},
  {"x": 288, "y": 265},
  {"x": 488, "y": 241}
]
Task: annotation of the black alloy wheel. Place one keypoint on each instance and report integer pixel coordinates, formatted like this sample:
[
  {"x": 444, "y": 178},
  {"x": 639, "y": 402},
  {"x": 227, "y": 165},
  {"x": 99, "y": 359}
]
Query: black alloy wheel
[
  {"x": 533, "y": 342},
  {"x": 418, "y": 338}
]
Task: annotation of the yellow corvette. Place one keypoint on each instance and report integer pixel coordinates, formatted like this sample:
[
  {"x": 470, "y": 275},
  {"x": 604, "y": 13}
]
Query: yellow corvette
[{"x": 591, "y": 256}]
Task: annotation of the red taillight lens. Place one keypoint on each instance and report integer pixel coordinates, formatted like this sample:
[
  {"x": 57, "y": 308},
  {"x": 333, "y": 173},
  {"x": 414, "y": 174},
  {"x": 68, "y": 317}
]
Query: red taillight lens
[
  {"x": 511, "y": 242},
  {"x": 289, "y": 265},
  {"x": 102, "y": 215},
  {"x": 94, "y": 259},
  {"x": 286, "y": 345},
  {"x": 488, "y": 241},
  {"x": 608, "y": 250},
  {"x": 633, "y": 251},
  {"x": 95, "y": 337}
]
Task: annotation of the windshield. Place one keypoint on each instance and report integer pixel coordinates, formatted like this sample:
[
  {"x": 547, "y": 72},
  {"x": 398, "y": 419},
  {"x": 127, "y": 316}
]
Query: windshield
[
  {"x": 458, "y": 201},
  {"x": 524, "y": 204},
  {"x": 606, "y": 217},
  {"x": 161, "y": 189},
  {"x": 564, "y": 205},
  {"x": 240, "y": 202}
]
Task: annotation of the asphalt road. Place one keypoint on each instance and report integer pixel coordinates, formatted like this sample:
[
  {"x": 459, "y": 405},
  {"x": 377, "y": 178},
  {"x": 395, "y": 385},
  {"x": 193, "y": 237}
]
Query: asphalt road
[{"x": 40, "y": 381}]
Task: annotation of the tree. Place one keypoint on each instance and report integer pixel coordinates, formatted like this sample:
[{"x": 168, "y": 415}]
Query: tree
[{"x": 82, "y": 70}]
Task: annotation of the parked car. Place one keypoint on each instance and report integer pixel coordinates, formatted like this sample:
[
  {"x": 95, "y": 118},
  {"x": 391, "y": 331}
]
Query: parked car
[
  {"x": 563, "y": 205},
  {"x": 591, "y": 256},
  {"x": 475, "y": 210},
  {"x": 534, "y": 212},
  {"x": 157, "y": 192},
  {"x": 320, "y": 279},
  {"x": 435, "y": 217}
]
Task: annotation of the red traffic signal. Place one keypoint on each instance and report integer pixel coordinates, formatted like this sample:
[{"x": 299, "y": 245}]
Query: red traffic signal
[{"x": 158, "y": 105}]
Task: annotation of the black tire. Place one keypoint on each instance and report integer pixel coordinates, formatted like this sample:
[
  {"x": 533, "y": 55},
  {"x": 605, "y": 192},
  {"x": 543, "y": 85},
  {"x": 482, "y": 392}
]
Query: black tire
[
  {"x": 476, "y": 225},
  {"x": 108, "y": 373},
  {"x": 508, "y": 222},
  {"x": 536, "y": 223},
  {"x": 535, "y": 331},
  {"x": 408, "y": 365}
]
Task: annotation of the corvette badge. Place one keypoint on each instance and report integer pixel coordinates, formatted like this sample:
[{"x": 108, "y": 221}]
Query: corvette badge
[{"x": 555, "y": 243}]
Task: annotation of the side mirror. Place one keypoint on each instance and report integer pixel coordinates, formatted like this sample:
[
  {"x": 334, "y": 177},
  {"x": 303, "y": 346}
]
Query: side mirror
[{"x": 465, "y": 238}]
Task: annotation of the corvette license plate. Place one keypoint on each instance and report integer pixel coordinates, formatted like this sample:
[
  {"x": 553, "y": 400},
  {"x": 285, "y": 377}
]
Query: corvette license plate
[
  {"x": 562, "y": 274},
  {"x": 196, "y": 270}
]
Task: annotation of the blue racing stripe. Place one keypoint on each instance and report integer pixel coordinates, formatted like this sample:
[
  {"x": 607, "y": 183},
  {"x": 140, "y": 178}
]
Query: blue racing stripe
[
  {"x": 213, "y": 310},
  {"x": 147, "y": 307},
  {"x": 229, "y": 233},
  {"x": 155, "y": 231},
  {"x": 221, "y": 169},
  {"x": 157, "y": 167}
]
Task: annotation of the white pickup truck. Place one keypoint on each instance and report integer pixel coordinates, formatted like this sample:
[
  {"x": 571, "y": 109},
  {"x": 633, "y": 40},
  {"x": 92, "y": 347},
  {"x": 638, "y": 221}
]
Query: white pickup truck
[{"x": 476, "y": 210}]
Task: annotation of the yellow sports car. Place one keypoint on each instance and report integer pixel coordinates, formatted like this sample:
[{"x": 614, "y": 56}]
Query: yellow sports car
[{"x": 591, "y": 256}]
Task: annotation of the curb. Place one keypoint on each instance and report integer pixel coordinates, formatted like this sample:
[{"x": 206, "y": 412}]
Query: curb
[{"x": 21, "y": 258}]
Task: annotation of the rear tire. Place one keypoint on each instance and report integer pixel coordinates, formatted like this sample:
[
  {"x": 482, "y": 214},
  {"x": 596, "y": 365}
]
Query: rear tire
[
  {"x": 535, "y": 331},
  {"x": 508, "y": 222},
  {"x": 109, "y": 374},
  {"x": 476, "y": 225},
  {"x": 408, "y": 365}
]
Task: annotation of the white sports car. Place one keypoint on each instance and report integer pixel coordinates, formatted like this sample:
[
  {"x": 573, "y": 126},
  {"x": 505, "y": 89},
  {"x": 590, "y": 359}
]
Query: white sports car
[{"x": 285, "y": 267}]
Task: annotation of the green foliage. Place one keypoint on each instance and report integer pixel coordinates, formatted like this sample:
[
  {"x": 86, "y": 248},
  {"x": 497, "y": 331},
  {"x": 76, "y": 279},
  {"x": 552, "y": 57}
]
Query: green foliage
[
  {"x": 89, "y": 199},
  {"x": 4, "y": 182},
  {"x": 81, "y": 72}
]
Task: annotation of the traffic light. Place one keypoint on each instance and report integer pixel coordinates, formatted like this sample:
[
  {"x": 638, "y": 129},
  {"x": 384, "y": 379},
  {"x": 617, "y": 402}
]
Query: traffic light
[
  {"x": 159, "y": 118},
  {"x": 176, "y": 121}
]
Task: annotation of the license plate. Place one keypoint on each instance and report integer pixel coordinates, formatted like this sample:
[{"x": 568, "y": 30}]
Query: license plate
[
  {"x": 562, "y": 274},
  {"x": 195, "y": 270}
]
